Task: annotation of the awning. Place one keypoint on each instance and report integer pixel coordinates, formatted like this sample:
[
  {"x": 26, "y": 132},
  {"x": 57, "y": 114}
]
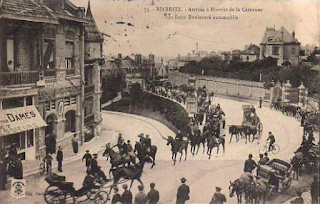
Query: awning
[{"x": 19, "y": 120}]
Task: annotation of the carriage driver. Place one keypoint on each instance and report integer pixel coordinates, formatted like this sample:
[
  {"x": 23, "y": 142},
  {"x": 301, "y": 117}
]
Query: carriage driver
[{"x": 272, "y": 141}]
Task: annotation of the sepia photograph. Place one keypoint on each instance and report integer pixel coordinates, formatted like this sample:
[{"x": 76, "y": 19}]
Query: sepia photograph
[{"x": 159, "y": 101}]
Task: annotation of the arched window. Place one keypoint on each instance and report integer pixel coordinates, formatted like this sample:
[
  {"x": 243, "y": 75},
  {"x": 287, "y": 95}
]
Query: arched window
[{"x": 70, "y": 124}]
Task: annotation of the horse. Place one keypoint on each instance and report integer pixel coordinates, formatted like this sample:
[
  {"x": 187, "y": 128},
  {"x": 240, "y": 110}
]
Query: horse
[
  {"x": 117, "y": 159},
  {"x": 256, "y": 191},
  {"x": 248, "y": 132},
  {"x": 177, "y": 146},
  {"x": 132, "y": 173},
  {"x": 235, "y": 130},
  {"x": 239, "y": 185},
  {"x": 215, "y": 142},
  {"x": 195, "y": 141},
  {"x": 143, "y": 151}
]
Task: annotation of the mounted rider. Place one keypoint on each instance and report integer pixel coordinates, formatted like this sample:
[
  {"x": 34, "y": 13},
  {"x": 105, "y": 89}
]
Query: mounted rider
[
  {"x": 147, "y": 143},
  {"x": 120, "y": 143}
]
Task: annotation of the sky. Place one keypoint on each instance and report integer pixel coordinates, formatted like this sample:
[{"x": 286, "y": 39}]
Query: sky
[{"x": 152, "y": 33}]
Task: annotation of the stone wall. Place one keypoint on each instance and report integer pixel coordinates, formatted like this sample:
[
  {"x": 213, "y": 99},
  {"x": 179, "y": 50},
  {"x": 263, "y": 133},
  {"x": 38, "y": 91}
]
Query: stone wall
[{"x": 224, "y": 86}]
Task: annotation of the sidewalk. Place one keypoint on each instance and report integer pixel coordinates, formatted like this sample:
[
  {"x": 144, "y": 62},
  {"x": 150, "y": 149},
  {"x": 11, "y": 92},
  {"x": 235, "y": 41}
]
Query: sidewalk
[
  {"x": 111, "y": 101},
  {"x": 95, "y": 145}
]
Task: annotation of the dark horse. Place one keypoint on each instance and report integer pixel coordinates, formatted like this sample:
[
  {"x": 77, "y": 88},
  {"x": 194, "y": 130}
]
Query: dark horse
[
  {"x": 117, "y": 159},
  {"x": 195, "y": 141},
  {"x": 256, "y": 191},
  {"x": 239, "y": 186},
  {"x": 215, "y": 142},
  {"x": 132, "y": 173},
  {"x": 142, "y": 151},
  {"x": 177, "y": 146},
  {"x": 248, "y": 131},
  {"x": 235, "y": 130}
]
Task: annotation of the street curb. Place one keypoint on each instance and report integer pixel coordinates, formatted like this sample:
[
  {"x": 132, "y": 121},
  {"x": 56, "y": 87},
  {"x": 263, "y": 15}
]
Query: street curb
[{"x": 70, "y": 159}]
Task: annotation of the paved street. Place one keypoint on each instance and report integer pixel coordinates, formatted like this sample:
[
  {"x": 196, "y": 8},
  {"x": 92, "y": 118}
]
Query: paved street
[{"x": 198, "y": 170}]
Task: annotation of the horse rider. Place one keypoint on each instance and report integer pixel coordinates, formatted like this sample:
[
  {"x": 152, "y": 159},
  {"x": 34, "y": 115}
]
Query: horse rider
[
  {"x": 179, "y": 136},
  {"x": 272, "y": 140},
  {"x": 147, "y": 142},
  {"x": 129, "y": 146},
  {"x": 141, "y": 138}
]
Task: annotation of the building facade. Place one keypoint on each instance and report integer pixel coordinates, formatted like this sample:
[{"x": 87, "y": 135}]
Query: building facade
[
  {"x": 42, "y": 74},
  {"x": 250, "y": 54},
  {"x": 94, "y": 60},
  {"x": 280, "y": 44}
]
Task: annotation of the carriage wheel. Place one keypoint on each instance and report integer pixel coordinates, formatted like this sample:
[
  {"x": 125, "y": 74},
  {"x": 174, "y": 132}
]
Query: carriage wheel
[
  {"x": 92, "y": 193},
  {"x": 263, "y": 150},
  {"x": 286, "y": 185},
  {"x": 53, "y": 195},
  {"x": 42, "y": 168},
  {"x": 69, "y": 199},
  {"x": 276, "y": 149},
  {"x": 259, "y": 128},
  {"x": 101, "y": 197}
]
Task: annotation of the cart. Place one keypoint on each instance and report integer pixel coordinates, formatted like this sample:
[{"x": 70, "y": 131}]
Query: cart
[
  {"x": 251, "y": 120},
  {"x": 277, "y": 175}
]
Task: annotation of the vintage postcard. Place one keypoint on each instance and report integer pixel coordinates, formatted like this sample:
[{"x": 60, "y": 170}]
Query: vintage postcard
[{"x": 159, "y": 101}]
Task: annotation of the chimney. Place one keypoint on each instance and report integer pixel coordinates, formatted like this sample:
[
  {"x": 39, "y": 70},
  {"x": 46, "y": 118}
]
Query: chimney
[
  {"x": 119, "y": 56},
  {"x": 197, "y": 46},
  {"x": 138, "y": 59},
  {"x": 293, "y": 34}
]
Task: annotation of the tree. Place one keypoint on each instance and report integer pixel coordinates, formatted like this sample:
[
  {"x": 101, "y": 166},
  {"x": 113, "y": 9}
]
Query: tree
[{"x": 135, "y": 93}]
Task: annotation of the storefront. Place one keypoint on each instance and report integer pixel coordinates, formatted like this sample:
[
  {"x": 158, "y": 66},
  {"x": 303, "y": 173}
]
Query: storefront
[{"x": 19, "y": 126}]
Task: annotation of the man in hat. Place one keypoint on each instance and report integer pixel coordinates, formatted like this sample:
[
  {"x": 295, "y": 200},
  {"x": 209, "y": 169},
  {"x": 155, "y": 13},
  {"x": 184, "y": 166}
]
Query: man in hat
[
  {"x": 59, "y": 158},
  {"x": 260, "y": 102},
  {"x": 314, "y": 191},
  {"x": 87, "y": 157},
  {"x": 126, "y": 196},
  {"x": 153, "y": 195},
  {"x": 250, "y": 164},
  {"x": 272, "y": 140},
  {"x": 299, "y": 199},
  {"x": 183, "y": 192},
  {"x": 116, "y": 197},
  {"x": 218, "y": 197},
  {"x": 141, "y": 197},
  {"x": 96, "y": 169}
]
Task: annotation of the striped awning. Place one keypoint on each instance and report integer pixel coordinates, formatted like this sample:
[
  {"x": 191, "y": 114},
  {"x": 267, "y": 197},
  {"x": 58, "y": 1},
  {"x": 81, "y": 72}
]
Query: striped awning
[{"x": 19, "y": 120}]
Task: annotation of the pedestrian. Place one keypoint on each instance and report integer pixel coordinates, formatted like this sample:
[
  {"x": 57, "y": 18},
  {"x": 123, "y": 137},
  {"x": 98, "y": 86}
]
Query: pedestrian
[
  {"x": 3, "y": 170},
  {"x": 315, "y": 190},
  {"x": 299, "y": 199},
  {"x": 153, "y": 195},
  {"x": 116, "y": 198},
  {"x": 48, "y": 161},
  {"x": 18, "y": 170},
  {"x": 129, "y": 146},
  {"x": 126, "y": 196},
  {"x": 223, "y": 118},
  {"x": 59, "y": 158},
  {"x": 53, "y": 142},
  {"x": 74, "y": 143},
  {"x": 218, "y": 197},
  {"x": 87, "y": 157},
  {"x": 266, "y": 157},
  {"x": 260, "y": 102},
  {"x": 250, "y": 164},
  {"x": 261, "y": 160},
  {"x": 183, "y": 192},
  {"x": 141, "y": 197}
]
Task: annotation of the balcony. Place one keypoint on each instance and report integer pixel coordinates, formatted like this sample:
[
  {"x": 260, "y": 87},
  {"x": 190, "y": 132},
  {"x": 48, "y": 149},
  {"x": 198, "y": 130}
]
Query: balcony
[
  {"x": 50, "y": 73},
  {"x": 89, "y": 89},
  {"x": 70, "y": 71},
  {"x": 18, "y": 78},
  {"x": 89, "y": 119}
]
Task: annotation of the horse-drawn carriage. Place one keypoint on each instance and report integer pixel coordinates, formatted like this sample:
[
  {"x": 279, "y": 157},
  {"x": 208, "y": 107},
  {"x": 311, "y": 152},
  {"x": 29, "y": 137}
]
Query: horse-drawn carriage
[
  {"x": 308, "y": 156},
  {"x": 276, "y": 174},
  {"x": 61, "y": 191},
  {"x": 251, "y": 120}
]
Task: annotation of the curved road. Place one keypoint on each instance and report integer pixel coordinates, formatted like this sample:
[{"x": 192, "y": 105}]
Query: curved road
[{"x": 202, "y": 175}]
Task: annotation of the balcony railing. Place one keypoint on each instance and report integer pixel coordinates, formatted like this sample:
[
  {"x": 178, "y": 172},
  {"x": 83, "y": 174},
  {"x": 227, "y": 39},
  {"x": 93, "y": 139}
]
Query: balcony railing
[
  {"x": 70, "y": 71},
  {"x": 89, "y": 89},
  {"x": 18, "y": 78},
  {"x": 89, "y": 119},
  {"x": 50, "y": 73}
]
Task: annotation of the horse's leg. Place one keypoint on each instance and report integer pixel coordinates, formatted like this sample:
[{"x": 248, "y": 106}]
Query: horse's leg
[
  {"x": 204, "y": 146},
  {"x": 231, "y": 138},
  {"x": 186, "y": 152},
  {"x": 223, "y": 146},
  {"x": 131, "y": 184},
  {"x": 181, "y": 153}
]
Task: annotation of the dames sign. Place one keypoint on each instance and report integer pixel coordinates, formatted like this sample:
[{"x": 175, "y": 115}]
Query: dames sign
[{"x": 19, "y": 120}]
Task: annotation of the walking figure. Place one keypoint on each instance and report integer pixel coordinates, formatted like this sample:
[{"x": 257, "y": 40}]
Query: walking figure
[{"x": 183, "y": 192}]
